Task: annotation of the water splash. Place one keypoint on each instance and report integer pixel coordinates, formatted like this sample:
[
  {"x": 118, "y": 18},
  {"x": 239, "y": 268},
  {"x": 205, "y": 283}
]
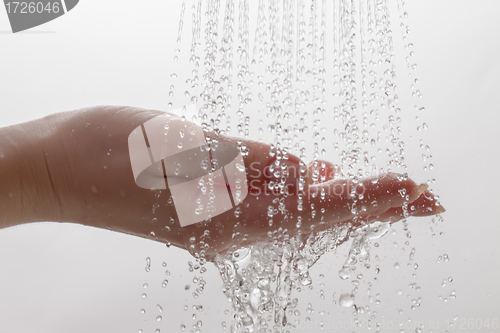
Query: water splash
[{"x": 322, "y": 80}]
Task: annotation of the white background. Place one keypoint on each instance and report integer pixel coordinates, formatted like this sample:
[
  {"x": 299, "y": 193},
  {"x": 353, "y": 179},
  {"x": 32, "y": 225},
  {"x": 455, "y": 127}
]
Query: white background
[{"x": 66, "y": 278}]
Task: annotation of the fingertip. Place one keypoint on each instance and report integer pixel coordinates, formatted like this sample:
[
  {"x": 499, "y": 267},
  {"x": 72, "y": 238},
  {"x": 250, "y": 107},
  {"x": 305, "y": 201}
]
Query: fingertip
[
  {"x": 392, "y": 190},
  {"x": 428, "y": 211},
  {"x": 439, "y": 209},
  {"x": 407, "y": 189},
  {"x": 426, "y": 205}
]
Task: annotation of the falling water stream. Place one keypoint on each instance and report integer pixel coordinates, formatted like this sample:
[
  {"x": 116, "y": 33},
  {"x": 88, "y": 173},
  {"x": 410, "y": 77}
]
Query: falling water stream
[{"x": 318, "y": 79}]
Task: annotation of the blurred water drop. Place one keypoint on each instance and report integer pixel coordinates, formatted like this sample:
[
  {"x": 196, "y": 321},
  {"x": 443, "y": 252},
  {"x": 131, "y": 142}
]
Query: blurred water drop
[
  {"x": 344, "y": 273},
  {"x": 346, "y": 300}
]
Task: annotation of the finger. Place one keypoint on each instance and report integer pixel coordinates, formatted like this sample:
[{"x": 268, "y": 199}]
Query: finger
[
  {"x": 425, "y": 205},
  {"x": 342, "y": 200},
  {"x": 267, "y": 167},
  {"x": 322, "y": 171}
]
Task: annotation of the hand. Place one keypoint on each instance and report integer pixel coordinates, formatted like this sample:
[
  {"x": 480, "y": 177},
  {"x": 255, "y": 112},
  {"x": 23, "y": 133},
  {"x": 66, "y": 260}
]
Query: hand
[{"x": 86, "y": 158}]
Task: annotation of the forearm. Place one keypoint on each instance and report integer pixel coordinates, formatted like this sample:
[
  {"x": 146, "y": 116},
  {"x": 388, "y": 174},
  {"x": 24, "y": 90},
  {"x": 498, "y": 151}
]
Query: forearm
[{"x": 26, "y": 193}]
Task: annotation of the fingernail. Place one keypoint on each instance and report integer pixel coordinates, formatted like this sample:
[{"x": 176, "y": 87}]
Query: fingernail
[
  {"x": 418, "y": 192},
  {"x": 421, "y": 189},
  {"x": 438, "y": 209}
]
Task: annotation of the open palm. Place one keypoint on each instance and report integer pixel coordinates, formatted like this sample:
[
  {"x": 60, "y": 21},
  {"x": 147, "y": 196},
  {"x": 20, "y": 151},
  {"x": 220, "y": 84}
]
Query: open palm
[{"x": 89, "y": 160}]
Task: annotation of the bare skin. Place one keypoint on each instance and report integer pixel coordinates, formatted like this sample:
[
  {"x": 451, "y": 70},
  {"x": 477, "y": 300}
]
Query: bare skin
[{"x": 74, "y": 167}]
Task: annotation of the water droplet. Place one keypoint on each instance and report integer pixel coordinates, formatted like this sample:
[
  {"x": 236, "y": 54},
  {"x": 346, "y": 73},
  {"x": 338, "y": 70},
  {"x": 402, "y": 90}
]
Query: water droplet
[
  {"x": 346, "y": 300},
  {"x": 344, "y": 273}
]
